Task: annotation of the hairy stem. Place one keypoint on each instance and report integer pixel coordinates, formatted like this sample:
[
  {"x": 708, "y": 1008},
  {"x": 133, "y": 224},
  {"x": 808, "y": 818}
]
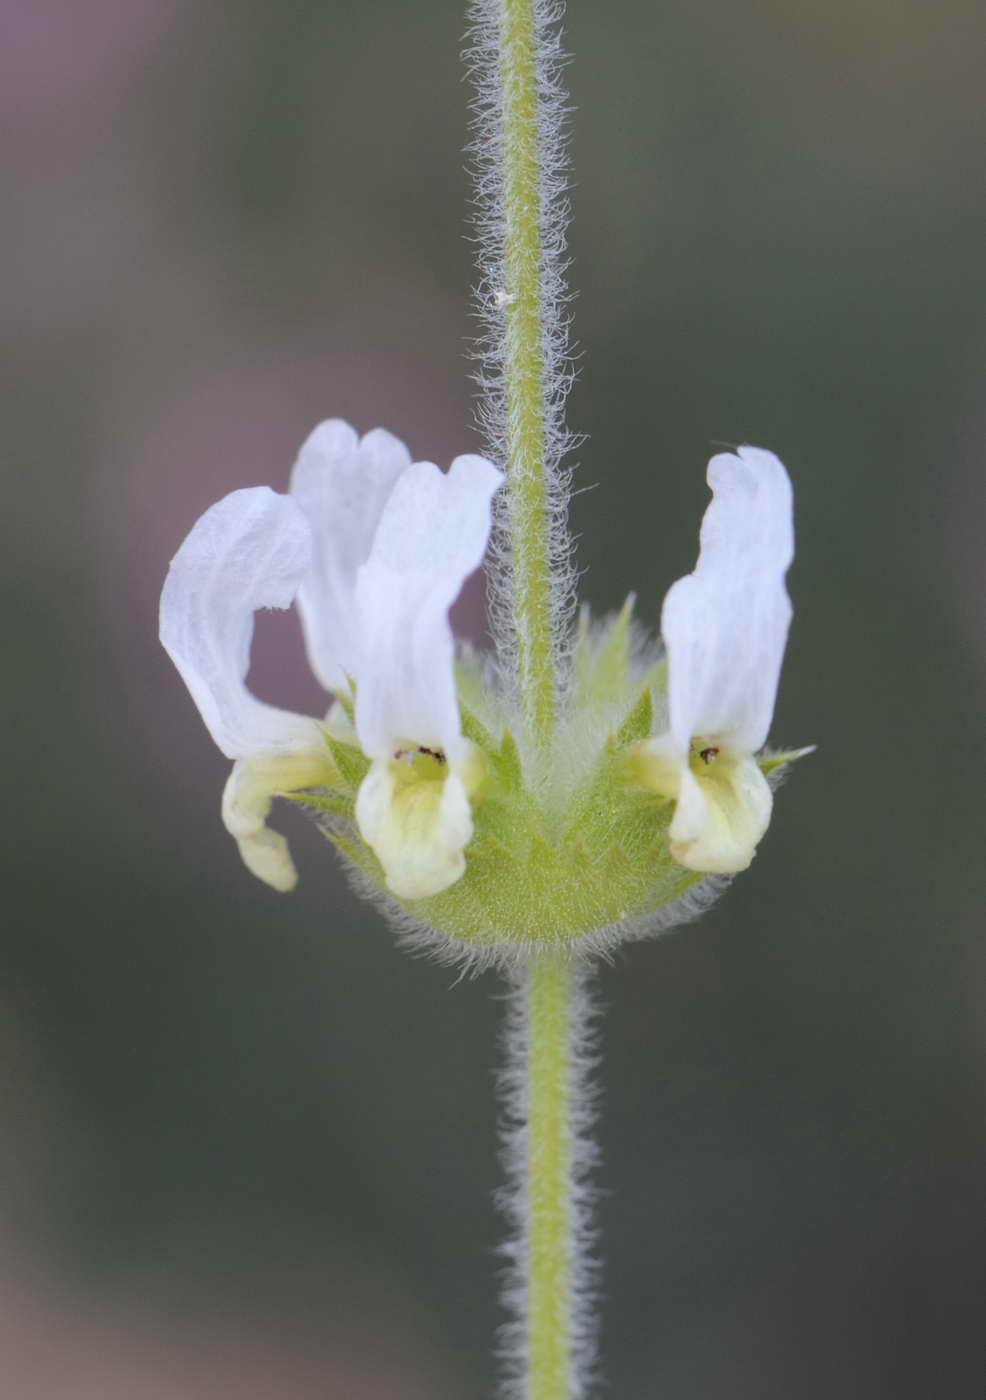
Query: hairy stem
[
  {"x": 524, "y": 368},
  {"x": 519, "y": 161},
  {"x": 519, "y": 158},
  {"x": 549, "y": 1166},
  {"x": 549, "y": 1155}
]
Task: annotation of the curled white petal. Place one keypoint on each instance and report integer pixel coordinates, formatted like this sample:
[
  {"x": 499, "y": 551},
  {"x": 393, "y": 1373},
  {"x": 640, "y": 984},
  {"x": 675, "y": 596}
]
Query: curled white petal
[
  {"x": 418, "y": 828},
  {"x": 247, "y": 797},
  {"x": 248, "y": 551},
  {"x": 341, "y": 483},
  {"x": 432, "y": 535},
  {"x": 719, "y": 821},
  {"x": 722, "y": 803},
  {"x": 725, "y": 625},
  {"x": 265, "y": 852}
]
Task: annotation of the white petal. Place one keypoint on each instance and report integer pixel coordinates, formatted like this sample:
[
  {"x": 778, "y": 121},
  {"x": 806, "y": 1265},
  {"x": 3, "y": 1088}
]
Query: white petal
[
  {"x": 725, "y": 625},
  {"x": 247, "y": 802},
  {"x": 341, "y": 484},
  {"x": 417, "y": 829},
  {"x": 718, "y": 823},
  {"x": 432, "y": 535},
  {"x": 248, "y": 551},
  {"x": 722, "y": 808}
]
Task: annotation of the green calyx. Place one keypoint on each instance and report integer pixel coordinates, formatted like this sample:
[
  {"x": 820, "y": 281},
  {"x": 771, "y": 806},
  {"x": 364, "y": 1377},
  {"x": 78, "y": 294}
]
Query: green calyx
[{"x": 566, "y": 843}]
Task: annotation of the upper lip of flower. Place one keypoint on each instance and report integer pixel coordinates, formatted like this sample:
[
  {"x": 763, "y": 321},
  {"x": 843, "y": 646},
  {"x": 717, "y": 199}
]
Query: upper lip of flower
[
  {"x": 725, "y": 628},
  {"x": 725, "y": 624},
  {"x": 375, "y": 549}
]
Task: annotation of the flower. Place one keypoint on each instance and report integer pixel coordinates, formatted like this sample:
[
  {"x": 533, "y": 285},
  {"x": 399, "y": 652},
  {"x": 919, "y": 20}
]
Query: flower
[
  {"x": 374, "y": 549},
  {"x": 725, "y": 628},
  {"x": 651, "y": 782}
]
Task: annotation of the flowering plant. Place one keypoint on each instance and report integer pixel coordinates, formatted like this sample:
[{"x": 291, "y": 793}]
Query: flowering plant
[
  {"x": 433, "y": 791},
  {"x": 585, "y": 783}
]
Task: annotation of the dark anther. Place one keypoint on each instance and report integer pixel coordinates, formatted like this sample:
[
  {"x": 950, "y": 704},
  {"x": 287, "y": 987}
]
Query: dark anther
[
  {"x": 409, "y": 755},
  {"x": 436, "y": 754},
  {"x": 707, "y": 755}
]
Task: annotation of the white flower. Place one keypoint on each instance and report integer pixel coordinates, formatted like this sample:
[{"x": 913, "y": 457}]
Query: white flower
[
  {"x": 725, "y": 628},
  {"x": 375, "y": 549}
]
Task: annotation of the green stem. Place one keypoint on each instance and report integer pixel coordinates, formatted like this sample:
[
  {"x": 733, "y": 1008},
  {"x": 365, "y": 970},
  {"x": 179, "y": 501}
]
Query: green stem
[
  {"x": 524, "y": 366},
  {"x": 550, "y": 1238},
  {"x": 523, "y": 219}
]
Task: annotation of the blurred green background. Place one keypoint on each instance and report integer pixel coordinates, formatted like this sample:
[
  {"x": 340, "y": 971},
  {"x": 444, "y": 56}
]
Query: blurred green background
[{"x": 248, "y": 1146}]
